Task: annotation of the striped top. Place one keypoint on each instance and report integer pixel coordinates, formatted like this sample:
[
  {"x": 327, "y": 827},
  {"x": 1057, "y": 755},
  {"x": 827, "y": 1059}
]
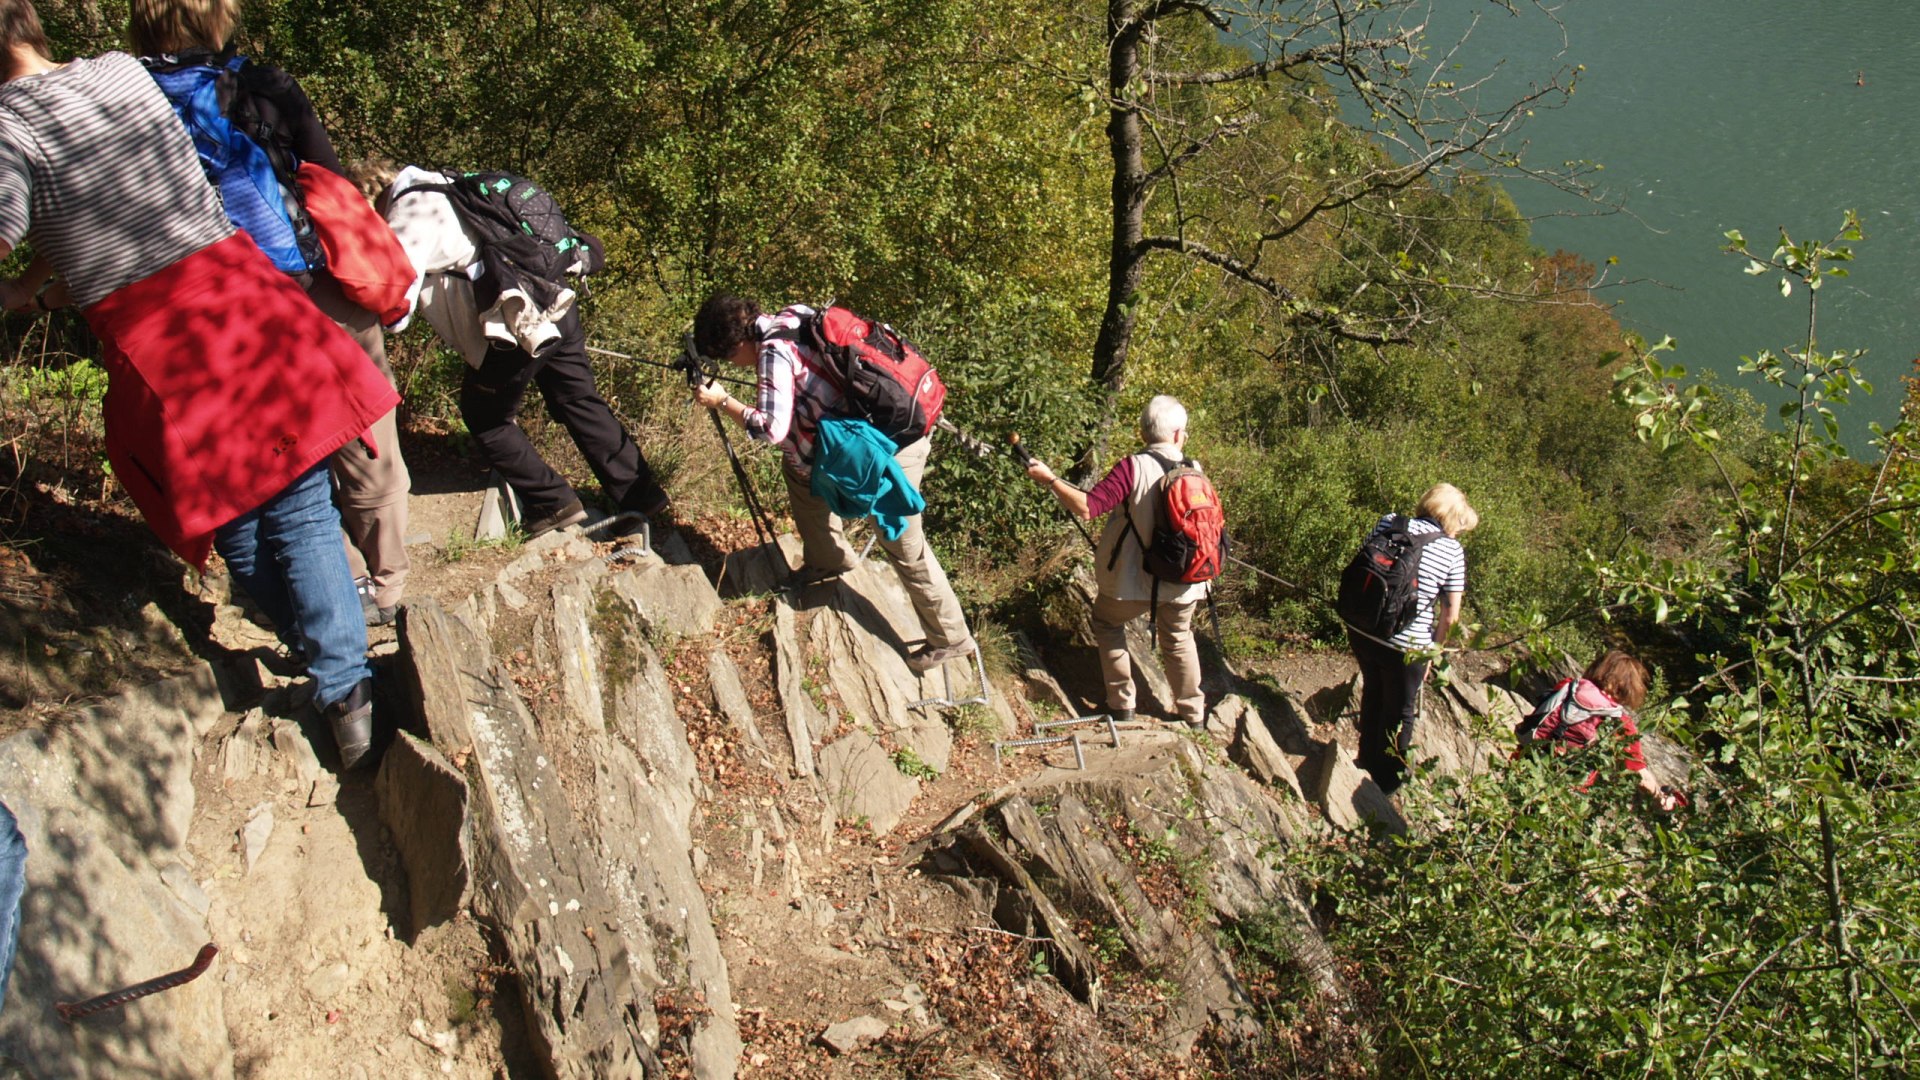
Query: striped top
[
  {"x": 1443, "y": 568},
  {"x": 793, "y": 395},
  {"x": 100, "y": 174}
]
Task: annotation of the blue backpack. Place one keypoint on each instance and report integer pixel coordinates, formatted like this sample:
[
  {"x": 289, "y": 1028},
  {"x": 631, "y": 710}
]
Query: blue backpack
[{"x": 251, "y": 191}]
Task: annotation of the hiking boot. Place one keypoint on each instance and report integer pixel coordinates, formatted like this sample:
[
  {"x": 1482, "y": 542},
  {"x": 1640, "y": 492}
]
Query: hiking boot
[
  {"x": 351, "y": 719},
  {"x": 570, "y": 513},
  {"x": 926, "y": 657},
  {"x": 370, "y": 608},
  {"x": 1121, "y": 716}
]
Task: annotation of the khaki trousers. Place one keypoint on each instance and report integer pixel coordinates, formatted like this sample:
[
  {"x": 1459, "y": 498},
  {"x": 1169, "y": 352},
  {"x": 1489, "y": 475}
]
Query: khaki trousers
[
  {"x": 370, "y": 491},
  {"x": 919, "y": 568},
  {"x": 1178, "y": 651}
]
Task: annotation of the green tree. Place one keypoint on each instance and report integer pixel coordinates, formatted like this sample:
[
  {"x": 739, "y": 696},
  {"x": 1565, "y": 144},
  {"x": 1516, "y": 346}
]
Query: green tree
[{"x": 1228, "y": 146}]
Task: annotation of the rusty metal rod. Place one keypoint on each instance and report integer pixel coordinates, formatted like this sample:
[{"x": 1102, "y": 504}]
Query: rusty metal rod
[{"x": 74, "y": 1010}]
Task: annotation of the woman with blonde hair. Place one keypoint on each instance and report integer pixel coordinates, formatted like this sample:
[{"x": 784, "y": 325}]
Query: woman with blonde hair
[{"x": 1390, "y": 680}]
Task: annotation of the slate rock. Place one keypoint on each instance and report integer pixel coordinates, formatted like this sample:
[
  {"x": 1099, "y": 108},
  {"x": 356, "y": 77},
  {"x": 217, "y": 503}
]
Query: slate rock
[
  {"x": 860, "y": 781},
  {"x": 423, "y": 803},
  {"x": 846, "y": 1036},
  {"x": 676, "y": 601}
]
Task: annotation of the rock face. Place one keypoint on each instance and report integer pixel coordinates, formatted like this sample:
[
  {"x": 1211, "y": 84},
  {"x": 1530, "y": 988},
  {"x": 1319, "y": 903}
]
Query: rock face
[
  {"x": 581, "y": 822},
  {"x": 423, "y": 804},
  {"x": 104, "y": 802},
  {"x": 1147, "y": 846},
  {"x": 532, "y": 887}
]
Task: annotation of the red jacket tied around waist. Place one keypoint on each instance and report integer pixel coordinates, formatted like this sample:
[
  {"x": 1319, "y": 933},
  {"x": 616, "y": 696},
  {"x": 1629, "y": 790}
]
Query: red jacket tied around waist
[{"x": 225, "y": 384}]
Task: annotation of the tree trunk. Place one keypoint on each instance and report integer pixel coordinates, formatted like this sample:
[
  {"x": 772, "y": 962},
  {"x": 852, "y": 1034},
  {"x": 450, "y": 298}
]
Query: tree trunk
[{"x": 1125, "y": 257}]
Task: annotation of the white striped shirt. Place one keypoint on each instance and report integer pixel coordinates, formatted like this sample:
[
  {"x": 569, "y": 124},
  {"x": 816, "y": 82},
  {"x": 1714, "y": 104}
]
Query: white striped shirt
[
  {"x": 100, "y": 174},
  {"x": 1443, "y": 569}
]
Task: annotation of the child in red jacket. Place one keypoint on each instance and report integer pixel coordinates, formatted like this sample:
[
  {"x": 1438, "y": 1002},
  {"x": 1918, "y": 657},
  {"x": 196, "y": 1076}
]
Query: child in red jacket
[{"x": 1570, "y": 718}]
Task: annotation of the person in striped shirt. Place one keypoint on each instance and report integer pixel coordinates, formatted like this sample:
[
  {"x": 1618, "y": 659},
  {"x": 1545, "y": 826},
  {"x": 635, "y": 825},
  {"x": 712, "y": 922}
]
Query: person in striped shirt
[
  {"x": 1389, "y": 680},
  {"x": 791, "y": 399},
  {"x": 227, "y": 390}
]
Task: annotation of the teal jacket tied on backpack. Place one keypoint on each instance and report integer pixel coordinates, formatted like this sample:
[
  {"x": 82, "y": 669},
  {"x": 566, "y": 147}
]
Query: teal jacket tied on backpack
[{"x": 855, "y": 473}]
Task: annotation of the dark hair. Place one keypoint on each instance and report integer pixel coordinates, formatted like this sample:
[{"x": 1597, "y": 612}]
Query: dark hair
[
  {"x": 1620, "y": 677},
  {"x": 20, "y": 25},
  {"x": 722, "y": 323}
]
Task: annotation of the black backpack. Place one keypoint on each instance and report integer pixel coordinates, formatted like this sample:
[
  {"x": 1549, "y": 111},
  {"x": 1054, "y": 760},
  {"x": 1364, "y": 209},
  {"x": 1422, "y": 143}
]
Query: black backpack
[
  {"x": 1380, "y": 588},
  {"x": 522, "y": 233}
]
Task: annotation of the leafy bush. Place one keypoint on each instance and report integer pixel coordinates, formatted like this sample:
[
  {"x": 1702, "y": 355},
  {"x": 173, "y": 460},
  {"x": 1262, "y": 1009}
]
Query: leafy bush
[{"x": 1771, "y": 930}]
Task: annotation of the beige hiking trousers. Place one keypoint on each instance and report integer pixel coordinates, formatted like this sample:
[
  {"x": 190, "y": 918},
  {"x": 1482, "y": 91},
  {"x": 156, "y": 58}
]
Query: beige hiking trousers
[
  {"x": 1173, "y": 632},
  {"x": 371, "y": 491},
  {"x": 919, "y": 568}
]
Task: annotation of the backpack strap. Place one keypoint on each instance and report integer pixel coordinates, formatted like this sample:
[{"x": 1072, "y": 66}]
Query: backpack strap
[{"x": 1140, "y": 538}]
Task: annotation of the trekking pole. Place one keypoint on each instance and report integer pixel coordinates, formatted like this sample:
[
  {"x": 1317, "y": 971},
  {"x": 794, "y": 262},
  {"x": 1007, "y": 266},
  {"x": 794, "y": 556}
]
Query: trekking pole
[
  {"x": 679, "y": 365},
  {"x": 689, "y": 362},
  {"x": 1019, "y": 452}
]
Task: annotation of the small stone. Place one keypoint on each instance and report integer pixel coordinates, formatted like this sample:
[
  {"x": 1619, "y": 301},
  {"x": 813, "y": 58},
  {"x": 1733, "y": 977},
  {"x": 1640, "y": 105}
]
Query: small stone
[
  {"x": 846, "y": 1036},
  {"x": 913, "y": 995},
  {"x": 328, "y": 980},
  {"x": 291, "y": 743},
  {"x": 253, "y": 838},
  {"x": 511, "y": 596},
  {"x": 179, "y": 880},
  {"x": 415, "y": 539},
  {"x": 324, "y": 791}
]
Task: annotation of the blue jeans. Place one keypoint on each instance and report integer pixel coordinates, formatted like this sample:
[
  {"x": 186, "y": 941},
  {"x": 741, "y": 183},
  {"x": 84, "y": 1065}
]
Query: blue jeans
[
  {"x": 286, "y": 554},
  {"x": 13, "y": 883}
]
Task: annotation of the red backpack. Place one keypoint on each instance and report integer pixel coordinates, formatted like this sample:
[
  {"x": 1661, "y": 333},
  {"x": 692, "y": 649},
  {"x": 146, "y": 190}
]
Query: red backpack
[
  {"x": 1189, "y": 527},
  {"x": 884, "y": 377}
]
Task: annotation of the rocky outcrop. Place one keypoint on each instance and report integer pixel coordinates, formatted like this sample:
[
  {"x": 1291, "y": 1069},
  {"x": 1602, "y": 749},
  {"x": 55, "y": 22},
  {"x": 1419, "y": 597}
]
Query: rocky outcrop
[
  {"x": 582, "y": 819},
  {"x": 1131, "y": 862},
  {"x": 104, "y": 800},
  {"x": 535, "y": 887}
]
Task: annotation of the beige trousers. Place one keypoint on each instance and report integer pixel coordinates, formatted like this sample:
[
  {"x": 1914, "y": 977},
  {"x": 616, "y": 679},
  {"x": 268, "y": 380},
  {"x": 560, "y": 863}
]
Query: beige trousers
[
  {"x": 1178, "y": 651},
  {"x": 919, "y": 568},
  {"x": 371, "y": 491}
]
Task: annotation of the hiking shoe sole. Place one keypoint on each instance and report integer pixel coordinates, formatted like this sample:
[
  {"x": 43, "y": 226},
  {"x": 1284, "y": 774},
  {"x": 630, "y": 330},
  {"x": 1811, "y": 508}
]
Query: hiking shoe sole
[{"x": 925, "y": 659}]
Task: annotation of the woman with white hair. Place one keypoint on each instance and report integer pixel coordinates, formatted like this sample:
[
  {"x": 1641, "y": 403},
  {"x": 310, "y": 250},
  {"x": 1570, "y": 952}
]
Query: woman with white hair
[
  {"x": 1125, "y": 589},
  {"x": 1389, "y": 680}
]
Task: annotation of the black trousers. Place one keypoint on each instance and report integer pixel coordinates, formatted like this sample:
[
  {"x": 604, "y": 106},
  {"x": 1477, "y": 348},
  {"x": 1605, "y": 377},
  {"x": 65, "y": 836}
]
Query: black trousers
[
  {"x": 490, "y": 398},
  {"x": 1389, "y": 698}
]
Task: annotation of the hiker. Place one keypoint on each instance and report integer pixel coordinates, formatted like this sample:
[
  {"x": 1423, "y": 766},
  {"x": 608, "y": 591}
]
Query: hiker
[
  {"x": 1613, "y": 688},
  {"x": 184, "y": 44},
  {"x": 13, "y": 885},
  {"x": 794, "y": 398},
  {"x": 1125, "y": 590},
  {"x": 227, "y": 389},
  {"x": 1390, "y": 680},
  {"x": 516, "y": 329}
]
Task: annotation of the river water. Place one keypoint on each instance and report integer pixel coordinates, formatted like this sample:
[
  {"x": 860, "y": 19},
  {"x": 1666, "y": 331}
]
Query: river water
[{"x": 1710, "y": 115}]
